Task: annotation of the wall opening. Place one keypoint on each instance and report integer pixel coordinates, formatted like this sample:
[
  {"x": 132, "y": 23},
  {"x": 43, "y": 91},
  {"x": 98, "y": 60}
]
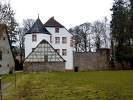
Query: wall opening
[
  {"x": 0, "y": 55},
  {"x": 76, "y": 69}
]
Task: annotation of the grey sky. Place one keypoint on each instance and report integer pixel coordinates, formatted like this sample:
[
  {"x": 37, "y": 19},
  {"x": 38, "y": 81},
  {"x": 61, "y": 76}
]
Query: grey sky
[{"x": 68, "y": 12}]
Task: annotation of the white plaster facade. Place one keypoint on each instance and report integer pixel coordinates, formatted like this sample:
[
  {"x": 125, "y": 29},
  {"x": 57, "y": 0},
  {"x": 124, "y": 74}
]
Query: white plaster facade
[
  {"x": 29, "y": 44},
  {"x": 63, "y": 32}
]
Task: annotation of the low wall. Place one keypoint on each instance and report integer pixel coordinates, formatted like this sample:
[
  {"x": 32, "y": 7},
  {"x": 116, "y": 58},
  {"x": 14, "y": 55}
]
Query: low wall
[
  {"x": 44, "y": 66},
  {"x": 92, "y": 60}
]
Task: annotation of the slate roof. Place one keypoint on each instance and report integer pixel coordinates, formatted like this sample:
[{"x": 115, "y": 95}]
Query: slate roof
[
  {"x": 38, "y": 27},
  {"x": 53, "y": 23}
]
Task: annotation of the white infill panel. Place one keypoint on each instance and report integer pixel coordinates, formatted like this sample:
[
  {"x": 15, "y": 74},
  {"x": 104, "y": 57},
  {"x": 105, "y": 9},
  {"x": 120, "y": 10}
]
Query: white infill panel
[{"x": 44, "y": 52}]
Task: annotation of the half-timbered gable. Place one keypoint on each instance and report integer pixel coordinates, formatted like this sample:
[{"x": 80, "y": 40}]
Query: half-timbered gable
[{"x": 44, "y": 58}]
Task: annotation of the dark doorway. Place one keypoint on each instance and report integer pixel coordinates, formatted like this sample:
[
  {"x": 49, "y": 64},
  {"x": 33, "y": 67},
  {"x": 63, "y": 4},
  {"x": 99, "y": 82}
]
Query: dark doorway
[
  {"x": 76, "y": 69},
  {"x": 131, "y": 64},
  {"x": 18, "y": 65}
]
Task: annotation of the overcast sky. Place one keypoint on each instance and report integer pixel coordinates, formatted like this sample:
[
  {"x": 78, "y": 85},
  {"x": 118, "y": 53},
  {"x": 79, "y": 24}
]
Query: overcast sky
[{"x": 68, "y": 12}]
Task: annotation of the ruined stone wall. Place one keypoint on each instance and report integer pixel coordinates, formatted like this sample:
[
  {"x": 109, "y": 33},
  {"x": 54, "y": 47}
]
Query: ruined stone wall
[
  {"x": 44, "y": 66},
  {"x": 92, "y": 60}
]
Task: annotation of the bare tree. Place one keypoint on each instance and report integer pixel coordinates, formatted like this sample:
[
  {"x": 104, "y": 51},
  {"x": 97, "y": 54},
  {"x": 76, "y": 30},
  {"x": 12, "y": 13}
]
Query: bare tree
[
  {"x": 90, "y": 36},
  {"x": 86, "y": 36},
  {"x": 7, "y": 17},
  {"x": 21, "y": 42},
  {"x": 97, "y": 30},
  {"x": 105, "y": 32},
  {"x": 76, "y": 35},
  {"x": 27, "y": 24}
]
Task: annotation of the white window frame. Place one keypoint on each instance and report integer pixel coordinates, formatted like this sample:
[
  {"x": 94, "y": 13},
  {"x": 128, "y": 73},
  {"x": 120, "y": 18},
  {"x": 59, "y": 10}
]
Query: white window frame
[
  {"x": 57, "y": 40},
  {"x": 64, "y": 52},
  {"x": 64, "y": 40},
  {"x": 34, "y": 37}
]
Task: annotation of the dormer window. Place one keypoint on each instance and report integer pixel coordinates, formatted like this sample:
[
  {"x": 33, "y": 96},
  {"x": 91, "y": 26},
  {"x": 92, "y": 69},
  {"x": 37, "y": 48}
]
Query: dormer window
[
  {"x": 34, "y": 37},
  {"x": 57, "y": 30}
]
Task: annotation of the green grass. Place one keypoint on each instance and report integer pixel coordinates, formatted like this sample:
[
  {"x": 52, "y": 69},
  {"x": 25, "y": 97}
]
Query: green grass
[
  {"x": 8, "y": 78},
  {"x": 103, "y": 85}
]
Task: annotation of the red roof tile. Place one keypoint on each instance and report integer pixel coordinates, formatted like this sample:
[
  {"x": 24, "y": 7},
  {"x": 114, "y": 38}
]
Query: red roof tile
[{"x": 53, "y": 23}]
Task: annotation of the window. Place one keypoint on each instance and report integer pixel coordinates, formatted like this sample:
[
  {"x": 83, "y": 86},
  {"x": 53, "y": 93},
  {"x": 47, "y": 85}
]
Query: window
[
  {"x": 57, "y": 30},
  {"x": 64, "y": 40},
  {"x": 58, "y": 50},
  {"x": 57, "y": 40},
  {"x": 64, "y": 52},
  {"x": 50, "y": 39},
  {"x": 46, "y": 58},
  {"x": 71, "y": 42},
  {"x": 0, "y": 55},
  {"x": 34, "y": 37}
]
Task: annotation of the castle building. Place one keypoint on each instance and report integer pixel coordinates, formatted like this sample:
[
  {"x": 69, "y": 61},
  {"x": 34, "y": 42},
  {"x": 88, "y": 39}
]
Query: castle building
[
  {"x": 7, "y": 62},
  {"x": 48, "y": 47}
]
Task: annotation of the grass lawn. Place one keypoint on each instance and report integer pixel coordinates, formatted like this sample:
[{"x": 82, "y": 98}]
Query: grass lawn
[
  {"x": 102, "y": 85},
  {"x": 9, "y": 78}
]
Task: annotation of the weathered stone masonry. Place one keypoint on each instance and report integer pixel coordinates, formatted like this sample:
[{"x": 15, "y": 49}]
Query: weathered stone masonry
[
  {"x": 44, "y": 66},
  {"x": 92, "y": 60}
]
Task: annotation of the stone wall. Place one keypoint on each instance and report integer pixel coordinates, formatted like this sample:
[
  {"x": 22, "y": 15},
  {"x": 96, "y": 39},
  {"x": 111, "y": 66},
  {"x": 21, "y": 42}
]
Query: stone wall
[
  {"x": 92, "y": 60},
  {"x": 44, "y": 66}
]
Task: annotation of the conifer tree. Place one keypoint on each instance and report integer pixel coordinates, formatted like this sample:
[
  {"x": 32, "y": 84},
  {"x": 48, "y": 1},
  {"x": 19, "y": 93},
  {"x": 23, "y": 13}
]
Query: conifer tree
[{"x": 120, "y": 32}]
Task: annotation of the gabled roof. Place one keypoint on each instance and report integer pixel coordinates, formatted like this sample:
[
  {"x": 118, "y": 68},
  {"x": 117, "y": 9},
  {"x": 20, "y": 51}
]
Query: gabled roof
[
  {"x": 53, "y": 23},
  {"x": 3, "y": 29},
  {"x": 44, "y": 49},
  {"x": 38, "y": 27}
]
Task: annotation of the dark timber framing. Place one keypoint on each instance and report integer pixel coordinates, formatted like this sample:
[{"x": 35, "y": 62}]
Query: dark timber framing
[{"x": 44, "y": 58}]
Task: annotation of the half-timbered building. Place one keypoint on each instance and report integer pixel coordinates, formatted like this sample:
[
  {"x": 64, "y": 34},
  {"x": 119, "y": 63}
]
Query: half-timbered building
[{"x": 48, "y": 47}]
